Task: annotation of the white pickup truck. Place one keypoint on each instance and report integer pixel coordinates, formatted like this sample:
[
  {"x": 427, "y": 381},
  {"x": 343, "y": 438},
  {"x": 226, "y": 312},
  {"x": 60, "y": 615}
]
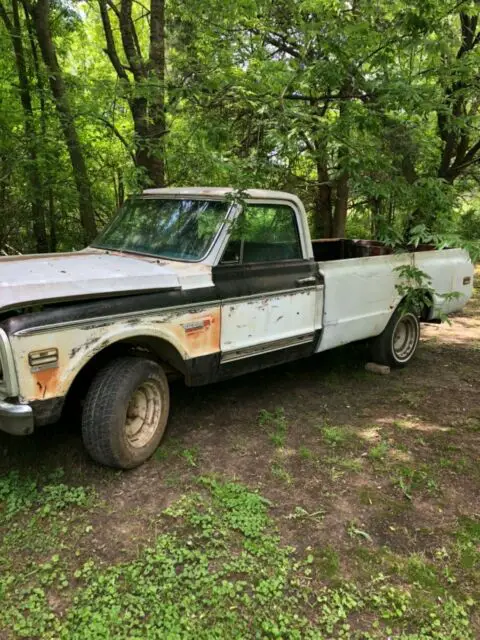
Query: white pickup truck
[{"x": 194, "y": 282}]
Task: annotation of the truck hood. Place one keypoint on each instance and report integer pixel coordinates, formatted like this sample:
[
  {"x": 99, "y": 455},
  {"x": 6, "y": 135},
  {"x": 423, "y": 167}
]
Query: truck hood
[{"x": 35, "y": 279}]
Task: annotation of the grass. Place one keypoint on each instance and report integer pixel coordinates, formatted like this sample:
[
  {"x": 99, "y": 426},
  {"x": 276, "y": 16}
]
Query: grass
[
  {"x": 327, "y": 562},
  {"x": 217, "y": 569},
  {"x": 351, "y": 464},
  {"x": 280, "y": 473},
  {"x": 305, "y": 453},
  {"x": 276, "y": 425},
  {"x": 379, "y": 451},
  {"x": 411, "y": 480},
  {"x": 334, "y": 436}
]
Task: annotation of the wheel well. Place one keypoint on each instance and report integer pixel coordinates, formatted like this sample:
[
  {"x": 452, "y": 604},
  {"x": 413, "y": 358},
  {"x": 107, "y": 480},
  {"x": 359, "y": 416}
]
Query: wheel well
[
  {"x": 426, "y": 308},
  {"x": 154, "y": 348}
]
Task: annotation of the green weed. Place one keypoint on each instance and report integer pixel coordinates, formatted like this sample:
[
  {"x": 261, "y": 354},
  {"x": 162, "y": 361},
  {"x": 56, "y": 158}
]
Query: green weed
[
  {"x": 190, "y": 455},
  {"x": 354, "y": 530},
  {"x": 412, "y": 479},
  {"x": 327, "y": 561},
  {"x": 276, "y": 424},
  {"x": 379, "y": 451},
  {"x": 351, "y": 464},
  {"x": 279, "y": 472},
  {"x": 305, "y": 453},
  {"x": 334, "y": 436},
  {"x": 217, "y": 569}
]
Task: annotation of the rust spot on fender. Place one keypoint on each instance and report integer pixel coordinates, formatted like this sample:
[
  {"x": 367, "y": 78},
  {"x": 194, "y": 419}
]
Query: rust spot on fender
[
  {"x": 45, "y": 382},
  {"x": 199, "y": 332}
]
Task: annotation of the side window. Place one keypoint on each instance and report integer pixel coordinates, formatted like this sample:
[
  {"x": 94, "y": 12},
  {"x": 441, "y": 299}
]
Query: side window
[{"x": 263, "y": 233}]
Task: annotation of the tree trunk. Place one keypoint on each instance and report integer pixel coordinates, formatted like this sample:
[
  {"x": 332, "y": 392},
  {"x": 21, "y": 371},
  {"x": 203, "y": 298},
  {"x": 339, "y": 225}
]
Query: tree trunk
[
  {"x": 148, "y": 113},
  {"x": 51, "y": 220},
  {"x": 41, "y": 90},
  {"x": 377, "y": 208},
  {"x": 323, "y": 223},
  {"x": 146, "y": 91},
  {"x": 157, "y": 119},
  {"x": 40, "y": 17},
  {"x": 342, "y": 180},
  {"x": 147, "y": 154},
  {"x": 121, "y": 189},
  {"x": 38, "y": 210},
  {"x": 341, "y": 206}
]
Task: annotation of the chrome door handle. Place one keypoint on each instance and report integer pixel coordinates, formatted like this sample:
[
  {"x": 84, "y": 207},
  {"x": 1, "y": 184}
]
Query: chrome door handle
[{"x": 303, "y": 282}]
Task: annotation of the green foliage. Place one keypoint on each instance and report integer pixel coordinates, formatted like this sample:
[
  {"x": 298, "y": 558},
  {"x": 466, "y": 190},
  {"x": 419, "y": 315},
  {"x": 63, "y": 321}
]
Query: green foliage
[
  {"x": 314, "y": 97},
  {"x": 215, "y": 568},
  {"x": 414, "y": 286},
  {"x": 19, "y": 494},
  {"x": 379, "y": 451},
  {"x": 411, "y": 480},
  {"x": 276, "y": 424},
  {"x": 305, "y": 453},
  {"x": 469, "y": 225},
  {"x": 334, "y": 436}
]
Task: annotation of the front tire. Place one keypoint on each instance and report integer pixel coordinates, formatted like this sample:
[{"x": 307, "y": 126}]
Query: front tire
[
  {"x": 125, "y": 412},
  {"x": 396, "y": 346}
]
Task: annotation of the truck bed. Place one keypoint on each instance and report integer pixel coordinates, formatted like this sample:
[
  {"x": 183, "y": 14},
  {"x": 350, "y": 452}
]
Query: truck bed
[
  {"x": 325, "y": 249},
  {"x": 360, "y": 281}
]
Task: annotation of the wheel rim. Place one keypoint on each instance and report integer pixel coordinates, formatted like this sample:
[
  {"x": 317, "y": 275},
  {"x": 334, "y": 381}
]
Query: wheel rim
[
  {"x": 405, "y": 338},
  {"x": 143, "y": 414}
]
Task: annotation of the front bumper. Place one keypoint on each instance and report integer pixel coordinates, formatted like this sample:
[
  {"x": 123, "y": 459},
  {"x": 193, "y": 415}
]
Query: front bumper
[{"x": 16, "y": 419}]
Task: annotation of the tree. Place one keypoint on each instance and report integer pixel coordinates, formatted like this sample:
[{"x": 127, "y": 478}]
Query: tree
[
  {"x": 13, "y": 27},
  {"x": 368, "y": 111},
  {"x": 460, "y": 104},
  {"x": 347, "y": 95},
  {"x": 143, "y": 80},
  {"x": 39, "y": 13}
]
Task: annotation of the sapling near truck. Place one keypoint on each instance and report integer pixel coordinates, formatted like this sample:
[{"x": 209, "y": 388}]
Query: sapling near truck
[{"x": 193, "y": 282}]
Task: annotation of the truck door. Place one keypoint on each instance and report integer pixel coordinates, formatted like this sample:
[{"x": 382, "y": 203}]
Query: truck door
[{"x": 268, "y": 289}]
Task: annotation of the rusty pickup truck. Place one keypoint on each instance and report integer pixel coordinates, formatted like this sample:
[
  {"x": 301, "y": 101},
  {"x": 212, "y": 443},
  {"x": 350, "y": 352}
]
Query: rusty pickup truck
[{"x": 195, "y": 283}]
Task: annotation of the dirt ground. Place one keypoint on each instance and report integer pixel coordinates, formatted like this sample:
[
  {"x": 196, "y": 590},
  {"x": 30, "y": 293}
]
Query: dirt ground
[{"x": 365, "y": 471}]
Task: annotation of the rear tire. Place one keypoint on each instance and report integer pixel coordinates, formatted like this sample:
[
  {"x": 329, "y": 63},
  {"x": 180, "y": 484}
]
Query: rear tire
[
  {"x": 125, "y": 412},
  {"x": 396, "y": 346}
]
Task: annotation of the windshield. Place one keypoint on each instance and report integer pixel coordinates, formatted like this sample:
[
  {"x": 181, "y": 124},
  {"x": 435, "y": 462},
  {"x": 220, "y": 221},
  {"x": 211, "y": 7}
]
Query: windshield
[{"x": 174, "y": 229}]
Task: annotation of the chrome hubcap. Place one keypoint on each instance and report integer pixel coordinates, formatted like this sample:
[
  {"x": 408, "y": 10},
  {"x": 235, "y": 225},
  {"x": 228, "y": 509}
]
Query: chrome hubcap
[
  {"x": 143, "y": 414},
  {"x": 405, "y": 337}
]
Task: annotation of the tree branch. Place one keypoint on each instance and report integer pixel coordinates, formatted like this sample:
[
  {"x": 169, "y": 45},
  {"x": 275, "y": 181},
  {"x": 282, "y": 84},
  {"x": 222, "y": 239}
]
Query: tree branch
[
  {"x": 111, "y": 49},
  {"x": 278, "y": 41},
  {"x": 114, "y": 8},
  {"x": 467, "y": 159},
  {"x": 146, "y": 9},
  {"x": 6, "y": 19},
  {"x": 120, "y": 137},
  {"x": 468, "y": 25},
  {"x": 329, "y": 97},
  {"x": 128, "y": 39}
]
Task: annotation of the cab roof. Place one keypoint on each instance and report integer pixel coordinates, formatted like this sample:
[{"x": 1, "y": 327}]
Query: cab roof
[{"x": 218, "y": 193}]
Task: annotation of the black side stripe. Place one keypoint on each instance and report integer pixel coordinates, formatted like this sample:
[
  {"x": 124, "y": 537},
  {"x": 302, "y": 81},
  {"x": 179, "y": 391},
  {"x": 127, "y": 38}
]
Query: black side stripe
[
  {"x": 98, "y": 309},
  {"x": 232, "y": 280}
]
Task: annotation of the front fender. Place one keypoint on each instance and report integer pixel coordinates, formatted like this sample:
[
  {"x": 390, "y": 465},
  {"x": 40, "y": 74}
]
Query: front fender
[{"x": 192, "y": 334}]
